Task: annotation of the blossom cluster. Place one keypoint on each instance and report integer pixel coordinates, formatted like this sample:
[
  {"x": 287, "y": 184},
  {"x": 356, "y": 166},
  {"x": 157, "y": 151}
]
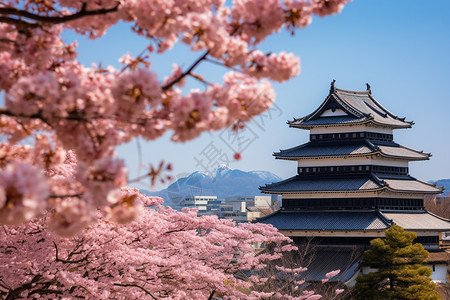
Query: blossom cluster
[
  {"x": 62, "y": 121},
  {"x": 162, "y": 254}
]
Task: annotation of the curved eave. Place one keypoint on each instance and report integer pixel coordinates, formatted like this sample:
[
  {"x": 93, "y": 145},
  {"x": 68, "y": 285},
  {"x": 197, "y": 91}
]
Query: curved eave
[
  {"x": 308, "y": 127},
  {"x": 413, "y": 192},
  {"x": 439, "y": 217},
  {"x": 409, "y": 123},
  {"x": 426, "y": 156},
  {"x": 321, "y": 192},
  {"x": 341, "y": 93},
  {"x": 391, "y": 126},
  {"x": 418, "y": 221},
  {"x": 376, "y": 153},
  {"x": 438, "y": 189}
]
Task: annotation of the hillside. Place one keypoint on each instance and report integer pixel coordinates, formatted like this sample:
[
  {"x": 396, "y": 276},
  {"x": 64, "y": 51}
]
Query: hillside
[{"x": 225, "y": 182}]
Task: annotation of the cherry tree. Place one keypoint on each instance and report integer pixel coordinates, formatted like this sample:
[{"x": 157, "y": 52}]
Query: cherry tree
[
  {"x": 162, "y": 254},
  {"x": 69, "y": 226},
  {"x": 58, "y": 112}
]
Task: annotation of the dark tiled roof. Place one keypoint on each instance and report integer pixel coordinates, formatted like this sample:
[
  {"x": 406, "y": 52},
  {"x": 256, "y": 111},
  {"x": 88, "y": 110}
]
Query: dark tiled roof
[
  {"x": 329, "y": 121},
  {"x": 317, "y": 184},
  {"x": 330, "y": 259},
  {"x": 359, "y": 106},
  {"x": 352, "y": 183},
  {"x": 326, "y": 220},
  {"x": 356, "y": 148},
  {"x": 421, "y": 220},
  {"x": 325, "y": 149}
]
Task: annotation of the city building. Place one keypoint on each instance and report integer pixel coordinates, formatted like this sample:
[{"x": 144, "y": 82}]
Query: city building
[
  {"x": 204, "y": 204},
  {"x": 245, "y": 208},
  {"x": 352, "y": 184}
]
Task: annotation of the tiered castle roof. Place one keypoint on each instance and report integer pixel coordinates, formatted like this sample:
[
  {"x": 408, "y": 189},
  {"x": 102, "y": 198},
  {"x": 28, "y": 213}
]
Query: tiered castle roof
[
  {"x": 351, "y": 174},
  {"x": 358, "y": 107},
  {"x": 356, "y": 148},
  {"x": 352, "y": 184},
  {"x": 349, "y": 183},
  {"x": 353, "y": 108}
]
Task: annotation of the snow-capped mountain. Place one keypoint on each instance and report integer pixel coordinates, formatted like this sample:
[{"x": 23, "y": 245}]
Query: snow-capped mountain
[{"x": 224, "y": 182}]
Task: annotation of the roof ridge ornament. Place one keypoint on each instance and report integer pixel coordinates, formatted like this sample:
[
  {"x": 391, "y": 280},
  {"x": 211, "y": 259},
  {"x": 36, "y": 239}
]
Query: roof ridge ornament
[
  {"x": 332, "y": 88},
  {"x": 368, "y": 89}
]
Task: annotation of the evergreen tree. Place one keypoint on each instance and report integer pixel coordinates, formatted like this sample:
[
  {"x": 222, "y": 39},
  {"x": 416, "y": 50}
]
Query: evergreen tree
[{"x": 400, "y": 271}]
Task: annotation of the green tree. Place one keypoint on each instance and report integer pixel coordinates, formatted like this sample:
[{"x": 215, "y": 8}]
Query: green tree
[{"x": 400, "y": 271}]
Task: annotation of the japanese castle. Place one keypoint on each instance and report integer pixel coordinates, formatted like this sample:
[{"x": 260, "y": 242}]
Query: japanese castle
[{"x": 352, "y": 184}]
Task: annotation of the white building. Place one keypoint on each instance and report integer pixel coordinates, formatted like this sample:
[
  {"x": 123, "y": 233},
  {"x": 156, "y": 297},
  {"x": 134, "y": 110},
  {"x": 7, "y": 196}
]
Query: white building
[
  {"x": 245, "y": 208},
  {"x": 202, "y": 203}
]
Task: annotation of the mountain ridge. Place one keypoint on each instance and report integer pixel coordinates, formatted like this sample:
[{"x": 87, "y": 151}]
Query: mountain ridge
[{"x": 224, "y": 182}]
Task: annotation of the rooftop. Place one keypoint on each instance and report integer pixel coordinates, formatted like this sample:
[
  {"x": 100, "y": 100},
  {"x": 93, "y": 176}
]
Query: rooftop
[
  {"x": 298, "y": 184},
  {"x": 355, "y": 220},
  {"x": 343, "y": 107},
  {"x": 354, "y": 148},
  {"x": 422, "y": 221},
  {"x": 351, "y": 183},
  {"x": 327, "y": 220}
]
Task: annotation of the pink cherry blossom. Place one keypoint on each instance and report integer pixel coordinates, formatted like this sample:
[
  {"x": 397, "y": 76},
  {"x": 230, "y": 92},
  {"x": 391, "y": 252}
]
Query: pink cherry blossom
[
  {"x": 278, "y": 67},
  {"x": 65, "y": 119},
  {"x": 332, "y": 273},
  {"x": 23, "y": 192},
  {"x": 328, "y": 7},
  {"x": 338, "y": 291},
  {"x": 163, "y": 252},
  {"x": 134, "y": 90}
]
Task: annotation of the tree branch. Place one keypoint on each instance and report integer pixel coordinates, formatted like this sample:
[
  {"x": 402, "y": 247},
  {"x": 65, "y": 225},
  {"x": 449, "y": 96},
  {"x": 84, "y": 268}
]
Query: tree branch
[
  {"x": 68, "y": 261},
  {"x": 11, "y": 11},
  {"x": 211, "y": 295},
  {"x": 14, "y": 294},
  {"x": 66, "y": 196},
  {"x": 17, "y": 22},
  {"x": 138, "y": 286},
  {"x": 44, "y": 291},
  {"x": 188, "y": 71}
]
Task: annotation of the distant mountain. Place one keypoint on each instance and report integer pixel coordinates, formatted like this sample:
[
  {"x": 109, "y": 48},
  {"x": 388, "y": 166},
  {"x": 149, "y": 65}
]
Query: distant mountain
[
  {"x": 445, "y": 183},
  {"x": 225, "y": 182}
]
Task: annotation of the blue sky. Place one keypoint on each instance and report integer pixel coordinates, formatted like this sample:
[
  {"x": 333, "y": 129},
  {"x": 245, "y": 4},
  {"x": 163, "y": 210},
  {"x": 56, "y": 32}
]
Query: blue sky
[{"x": 400, "y": 47}]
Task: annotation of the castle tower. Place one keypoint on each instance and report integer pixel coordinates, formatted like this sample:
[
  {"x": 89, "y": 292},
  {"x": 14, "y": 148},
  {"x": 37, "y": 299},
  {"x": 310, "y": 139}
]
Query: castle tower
[{"x": 352, "y": 182}]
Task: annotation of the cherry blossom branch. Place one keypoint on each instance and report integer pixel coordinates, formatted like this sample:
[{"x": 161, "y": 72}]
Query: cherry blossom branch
[
  {"x": 3, "y": 284},
  {"x": 138, "y": 286},
  {"x": 14, "y": 294},
  {"x": 219, "y": 63},
  {"x": 200, "y": 78},
  {"x": 17, "y": 22},
  {"x": 139, "y": 178},
  {"x": 51, "y": 19},
  {"x": 72, "y": 117},
  {"x": 211, "y": 295},
  {"x": 3, "y": 40},
  {"x": 188, "y": 71},
  {"x": 90, "y": 135},
  {"x": 45, "y": 291},
  {"x": 66, "y": 196},
  {"x": 68, "y": 261}
]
